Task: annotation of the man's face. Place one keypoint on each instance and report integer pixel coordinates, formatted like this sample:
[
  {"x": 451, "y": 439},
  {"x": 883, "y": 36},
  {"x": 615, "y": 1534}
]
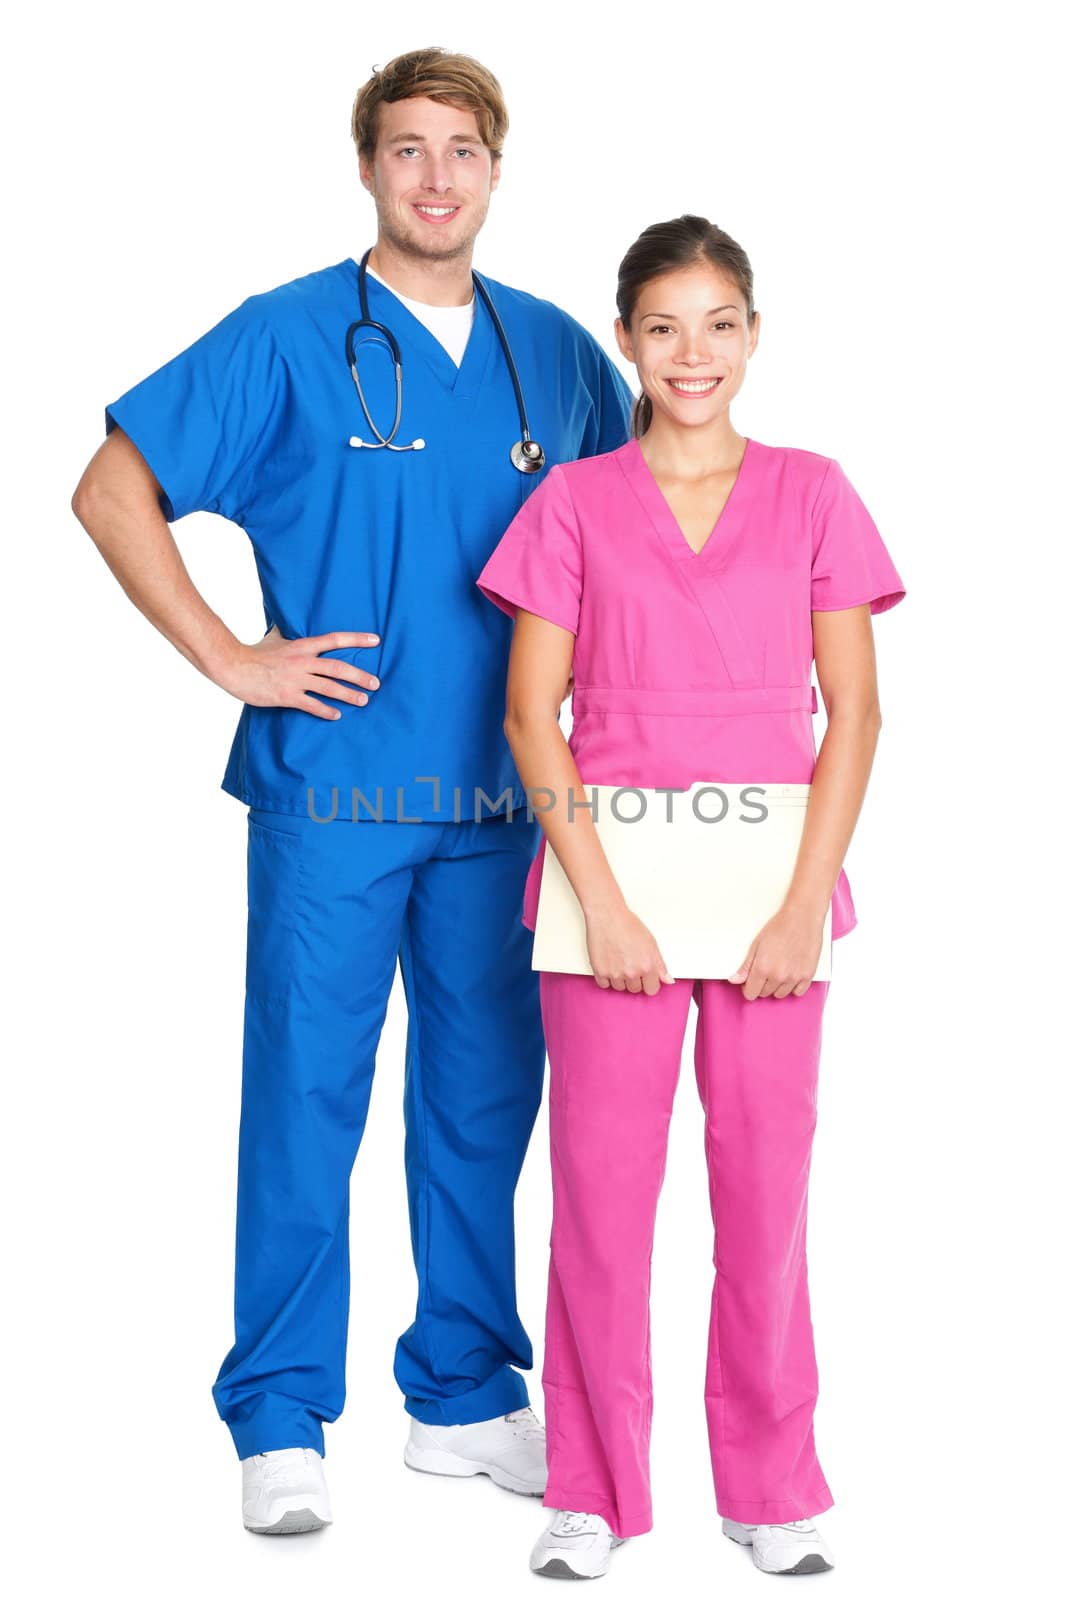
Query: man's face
[{"x": 431, "y": 177}]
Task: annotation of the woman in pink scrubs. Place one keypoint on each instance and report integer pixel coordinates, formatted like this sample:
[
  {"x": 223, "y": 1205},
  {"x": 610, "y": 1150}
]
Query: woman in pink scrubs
[{"x": 689, "y": 580}]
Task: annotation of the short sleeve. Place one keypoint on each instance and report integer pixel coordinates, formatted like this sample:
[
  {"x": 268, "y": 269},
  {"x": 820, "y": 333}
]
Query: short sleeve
[
  {"x": 608, "y": 426},
  {"x": 206, "y": 419},
  {"x": 850, "y": 564},
  {"x": 538, "y": 563}
]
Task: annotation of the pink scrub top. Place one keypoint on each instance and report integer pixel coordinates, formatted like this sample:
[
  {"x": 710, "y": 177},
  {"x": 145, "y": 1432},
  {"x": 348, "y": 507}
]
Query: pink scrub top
[{"x": 692, "y": 667}]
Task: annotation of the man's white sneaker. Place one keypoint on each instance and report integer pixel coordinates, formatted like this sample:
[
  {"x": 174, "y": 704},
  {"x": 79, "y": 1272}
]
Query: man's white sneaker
[
  {"x": 510, "y": 1449},
  {"x": 284, "y": 1491},
  {"x": 790, "y": 1547},
  {"x": 577, "y": 1544}
]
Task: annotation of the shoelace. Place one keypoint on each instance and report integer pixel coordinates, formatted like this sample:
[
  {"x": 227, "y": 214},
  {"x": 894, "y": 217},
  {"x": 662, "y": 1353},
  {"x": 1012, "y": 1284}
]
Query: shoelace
[
  {"x": 282, "y": 1471},
  {"x": 574, "y": 1522},
  {"x": 525, "y": 1423}
]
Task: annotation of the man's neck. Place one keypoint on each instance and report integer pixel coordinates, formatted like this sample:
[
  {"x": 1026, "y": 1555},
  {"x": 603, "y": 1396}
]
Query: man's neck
[{"x": 434, "y": 283}]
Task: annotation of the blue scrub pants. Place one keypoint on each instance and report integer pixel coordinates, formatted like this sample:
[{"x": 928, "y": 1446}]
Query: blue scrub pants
[{"x": 330, "y": 908}]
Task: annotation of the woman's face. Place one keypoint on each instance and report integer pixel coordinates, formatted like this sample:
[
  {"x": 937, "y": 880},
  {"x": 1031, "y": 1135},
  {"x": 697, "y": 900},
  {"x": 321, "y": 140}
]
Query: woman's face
[{"x": 690, "y": 341}]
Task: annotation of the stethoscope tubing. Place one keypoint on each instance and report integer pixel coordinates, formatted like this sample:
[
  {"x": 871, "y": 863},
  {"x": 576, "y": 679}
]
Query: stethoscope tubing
[{"x": 525, "y": 454}]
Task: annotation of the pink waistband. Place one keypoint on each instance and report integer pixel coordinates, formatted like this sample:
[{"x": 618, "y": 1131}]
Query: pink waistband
[{"x": 695, "y": 702}]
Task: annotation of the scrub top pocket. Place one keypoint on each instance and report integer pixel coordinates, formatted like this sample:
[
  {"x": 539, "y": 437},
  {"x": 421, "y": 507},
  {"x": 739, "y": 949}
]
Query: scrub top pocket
[{"x": 275, "y": 873}]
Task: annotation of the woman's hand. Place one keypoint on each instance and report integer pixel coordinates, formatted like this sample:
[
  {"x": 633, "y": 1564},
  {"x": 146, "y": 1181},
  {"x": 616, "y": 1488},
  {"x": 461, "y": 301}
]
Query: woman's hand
[
  {"x": 783, "y": 955},
  {"x": 281, "y": 672},
  {"x": 622, "y": 952}
]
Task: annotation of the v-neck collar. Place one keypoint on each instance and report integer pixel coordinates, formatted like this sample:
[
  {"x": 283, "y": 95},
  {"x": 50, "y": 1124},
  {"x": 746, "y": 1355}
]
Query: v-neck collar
[
  {"x": 414, "y": 337},
  {"x": 653, "y": 502}
]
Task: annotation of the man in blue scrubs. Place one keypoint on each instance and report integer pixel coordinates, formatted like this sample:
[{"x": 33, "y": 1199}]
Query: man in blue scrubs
[{"x": 387, "y": 819}]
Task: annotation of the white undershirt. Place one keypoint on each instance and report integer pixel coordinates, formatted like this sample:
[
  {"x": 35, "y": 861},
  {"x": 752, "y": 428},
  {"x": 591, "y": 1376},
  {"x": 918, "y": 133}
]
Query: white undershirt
[{"x": 450, "y": 325}]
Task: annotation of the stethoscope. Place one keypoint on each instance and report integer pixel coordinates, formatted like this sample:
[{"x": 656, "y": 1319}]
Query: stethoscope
[{"x": 526, "y": 454}]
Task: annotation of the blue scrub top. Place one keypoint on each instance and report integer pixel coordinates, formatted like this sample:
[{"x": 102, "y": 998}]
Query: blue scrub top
[{"x": 252, "y": 422}]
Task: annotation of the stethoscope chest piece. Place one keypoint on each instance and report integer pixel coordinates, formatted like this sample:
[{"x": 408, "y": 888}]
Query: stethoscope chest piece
[{"x": 527, "y": 455}]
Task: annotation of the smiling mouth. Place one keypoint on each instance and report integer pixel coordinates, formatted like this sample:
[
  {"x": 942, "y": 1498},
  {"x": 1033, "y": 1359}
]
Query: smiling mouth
[
  {"x": 436, "y": 213},
  {"x": 693, "y": 385}
]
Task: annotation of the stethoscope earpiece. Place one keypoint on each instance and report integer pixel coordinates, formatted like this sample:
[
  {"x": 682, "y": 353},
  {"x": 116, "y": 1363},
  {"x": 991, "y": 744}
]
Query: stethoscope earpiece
[
  {"x": 526, "y": 454},
  {"x": 361, "y": 444}
]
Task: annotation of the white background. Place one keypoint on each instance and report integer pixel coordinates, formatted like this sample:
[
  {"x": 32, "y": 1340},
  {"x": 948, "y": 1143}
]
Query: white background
[{"x": 890, "y": 172}]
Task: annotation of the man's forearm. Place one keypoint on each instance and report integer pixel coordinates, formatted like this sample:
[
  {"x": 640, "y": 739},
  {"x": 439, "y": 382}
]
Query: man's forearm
[{"x": 120, "y": 511}]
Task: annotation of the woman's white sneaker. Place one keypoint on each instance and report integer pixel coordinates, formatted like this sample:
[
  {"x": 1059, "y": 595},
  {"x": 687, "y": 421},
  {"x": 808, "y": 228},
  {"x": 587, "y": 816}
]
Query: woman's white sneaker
[
  {"x": 786, "y": 1547},
  {"x": 577, "y": 1544},
  {"x": 284, "y": 1491},
  {"x": 509, "y": 1449}
]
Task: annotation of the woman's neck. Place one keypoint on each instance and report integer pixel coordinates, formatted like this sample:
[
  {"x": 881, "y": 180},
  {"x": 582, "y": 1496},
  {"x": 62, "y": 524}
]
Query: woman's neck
[{"x": 678, "y": 452}]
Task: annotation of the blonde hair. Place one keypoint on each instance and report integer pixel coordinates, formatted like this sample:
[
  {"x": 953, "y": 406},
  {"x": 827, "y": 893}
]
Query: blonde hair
[{"x": 440, "y": 75}]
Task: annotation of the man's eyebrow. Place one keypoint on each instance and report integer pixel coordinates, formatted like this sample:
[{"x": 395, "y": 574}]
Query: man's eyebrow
[
  {"x": 420, "y": 138},
  {"x": 667, "y": 316}
]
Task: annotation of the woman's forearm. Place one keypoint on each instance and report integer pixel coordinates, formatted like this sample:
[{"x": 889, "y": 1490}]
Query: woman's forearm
[
  {"x": 838, "y": 785},
  {"x": 550, "y": 777}
]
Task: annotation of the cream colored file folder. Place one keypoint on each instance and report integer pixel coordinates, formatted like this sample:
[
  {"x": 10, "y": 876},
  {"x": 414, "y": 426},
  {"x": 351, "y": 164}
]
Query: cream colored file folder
[{"x": 703, "y": 868}]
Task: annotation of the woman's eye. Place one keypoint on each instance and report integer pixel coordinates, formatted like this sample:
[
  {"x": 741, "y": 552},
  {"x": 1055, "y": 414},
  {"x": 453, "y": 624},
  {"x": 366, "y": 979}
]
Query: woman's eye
[
  {"x": 723, "y": 325},
  {"x": 660, "y": 327}
]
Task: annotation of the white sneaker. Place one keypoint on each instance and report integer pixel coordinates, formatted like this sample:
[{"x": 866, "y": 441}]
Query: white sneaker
[
  {"x": 577, "y": 1544},
  {"x": 793, "y": 1547},
  {"x": 284, "y": 1491},
  {"x": 511, "y": 1449}
]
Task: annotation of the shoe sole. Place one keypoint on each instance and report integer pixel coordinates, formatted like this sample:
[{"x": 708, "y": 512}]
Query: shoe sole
[
  {"x": 292, "y": 1522},
  {"x": 439, "y": 1464},
  {"x": 558, "y": 1568},
  {"x": 805, "y": 1566},
  {"x": 802, "y": 1568}
]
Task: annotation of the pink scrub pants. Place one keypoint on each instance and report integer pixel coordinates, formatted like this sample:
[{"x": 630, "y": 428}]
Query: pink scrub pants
[{"x": 614, "y": 1061}]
